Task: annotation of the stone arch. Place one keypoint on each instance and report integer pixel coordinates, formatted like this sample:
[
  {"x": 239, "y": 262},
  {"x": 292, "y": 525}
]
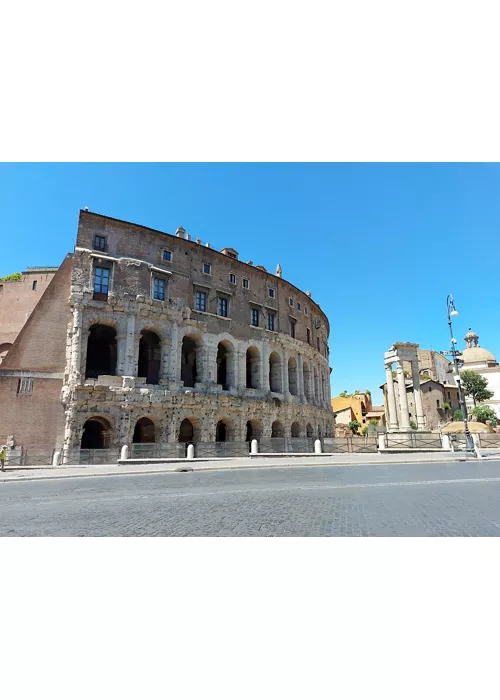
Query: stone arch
[
  {"x": 253, "y": 429},
  {"x": 144, "y": 430},
  {"x": 226, "y": 364},
  {"x": 295, "y": 429},
  {"x": 190, "y": 359},
  {"x": 252, "y": 368},
  {"x": 96, "y": 433},
  {"x": 149, "y": 363},
  {"x": 4, "y": 349},
  {"x": 277, "y": 429},
  {"x": 275, "y": 378},
  {"x": 293, "y": 375},
  {"x": 309, "y": 431},
  {"x": 189, "y": 430},
  {"x": 224, "y": 430},
  {"x": 306, "y": 373},
  {"x": 101, "y": 351}
]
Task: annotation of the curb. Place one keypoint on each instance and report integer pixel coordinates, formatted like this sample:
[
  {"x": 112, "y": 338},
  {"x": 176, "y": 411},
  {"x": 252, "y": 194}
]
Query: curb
[{"x": 42, "y": 477}]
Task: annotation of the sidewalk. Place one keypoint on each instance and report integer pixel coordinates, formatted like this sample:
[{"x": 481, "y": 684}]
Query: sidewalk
[{"x": 31, "y": 473}]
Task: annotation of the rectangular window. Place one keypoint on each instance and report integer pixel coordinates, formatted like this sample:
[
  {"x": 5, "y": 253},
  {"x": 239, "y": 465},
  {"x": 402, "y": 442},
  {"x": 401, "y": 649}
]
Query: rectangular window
[
  {"x": 166, "y": 256},
  {"x": 25, "y": 387},
  {"x": 298, "y": 306},
  {"x": 246, "y": 284},
  {"x": 232, "y": 279},
  {"x": 272, "y": 293},
  {"x": 223, "y": 307},
  {"x": 101, "y": 283},
  {"x": 34, "y": 285},
  {"x": 305, "y": 310},
  {"x": 292, "y": 328},
  {"x": 290, "y": 301},
  {"x": 159, "y": 289},
  {"x": 270, "y": 321},
  {"x": 207, "y": 268},
  {"x": 201, "y": 301},
  {"x": 255, "y": 317},
  {"x": 308, "y": 335},
  {"x": 100, "y": 243}
]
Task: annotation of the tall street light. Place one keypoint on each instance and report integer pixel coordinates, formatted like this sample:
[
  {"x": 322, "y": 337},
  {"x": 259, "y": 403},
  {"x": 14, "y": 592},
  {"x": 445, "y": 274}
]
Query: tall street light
[{"x": 452, "y": 312}]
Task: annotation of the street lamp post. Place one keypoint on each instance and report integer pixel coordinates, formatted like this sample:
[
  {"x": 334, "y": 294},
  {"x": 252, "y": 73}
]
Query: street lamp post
[{"x": 450, "y": 305}]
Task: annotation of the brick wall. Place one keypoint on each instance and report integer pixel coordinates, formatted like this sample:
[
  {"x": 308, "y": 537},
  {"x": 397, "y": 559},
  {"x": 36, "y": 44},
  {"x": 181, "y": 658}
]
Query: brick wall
[
  {"x": 17, "y": 301},
  {"x": 36, "y": 421}
]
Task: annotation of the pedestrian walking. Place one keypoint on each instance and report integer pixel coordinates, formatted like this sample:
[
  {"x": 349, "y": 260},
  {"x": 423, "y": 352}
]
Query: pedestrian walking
[{"x": 3, "y": 456}]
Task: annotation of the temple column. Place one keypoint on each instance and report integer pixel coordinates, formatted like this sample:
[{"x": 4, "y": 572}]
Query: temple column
[
  {"x": 391, "y": 399},
  {"x": 404, "y": 424},
  {"x": 418, "y": 395}
]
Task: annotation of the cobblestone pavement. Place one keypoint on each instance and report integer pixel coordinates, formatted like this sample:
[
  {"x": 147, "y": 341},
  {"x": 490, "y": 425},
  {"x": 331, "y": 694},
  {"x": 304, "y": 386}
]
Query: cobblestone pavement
[{"x": 449, "y": 499}]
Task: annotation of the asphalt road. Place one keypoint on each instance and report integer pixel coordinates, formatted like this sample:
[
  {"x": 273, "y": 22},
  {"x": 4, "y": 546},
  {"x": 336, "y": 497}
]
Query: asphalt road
[{"x": 433, "y": 499}]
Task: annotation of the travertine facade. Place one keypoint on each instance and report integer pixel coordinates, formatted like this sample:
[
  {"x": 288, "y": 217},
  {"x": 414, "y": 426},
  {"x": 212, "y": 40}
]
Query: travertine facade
[{"x": 169, "y": 340}]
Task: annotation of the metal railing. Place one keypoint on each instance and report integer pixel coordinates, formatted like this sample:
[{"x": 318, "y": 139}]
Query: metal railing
[
  {"x": 221, "y": 449},
  {"x": 413, "y": 441},
  {"x": 350, "y": 444},
  {"x": 157, "y": 450},
  {"x": 105, "y": 456},
  {"x": 489, "y": 440},
  {"x": 279, "y": 445},
  {"x": 33, "y": 458}
]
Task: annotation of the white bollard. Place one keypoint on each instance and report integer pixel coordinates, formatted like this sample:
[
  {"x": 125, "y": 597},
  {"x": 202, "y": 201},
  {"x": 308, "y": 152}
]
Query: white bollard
[
  {"x": 446, "y": 443},
  {"x": 125, "y": 453},
  {"x": 254, "y": 447},
  {"x": 381, "y": 441},
  {"x": 317, "y": 447},
  {"x": 190, "y": 452},
  {"x": 55, "y": 459}
]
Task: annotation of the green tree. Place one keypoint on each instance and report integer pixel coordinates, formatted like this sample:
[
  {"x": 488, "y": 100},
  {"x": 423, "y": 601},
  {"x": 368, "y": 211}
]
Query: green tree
[
  {"x": 16, "y": 276},
  {"x": 344, "y": 394},
  {"x": 484, "y": 413},
  {"x": 365, "y": 430},
  {"x": 475, "y": 386},
  {"x": 368, "y": 392},
  {"x": 458, "y": 415},
  {"x": 353, "y": 426},
  {"x": 413, "y": 425}
]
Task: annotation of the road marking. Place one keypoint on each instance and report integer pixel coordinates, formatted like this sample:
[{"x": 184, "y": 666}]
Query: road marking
[{"x": 268, "y": 489}]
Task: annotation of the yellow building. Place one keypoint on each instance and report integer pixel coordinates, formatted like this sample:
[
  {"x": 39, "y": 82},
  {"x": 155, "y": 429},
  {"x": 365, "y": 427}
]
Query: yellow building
[{"x": 360, "y": 404}]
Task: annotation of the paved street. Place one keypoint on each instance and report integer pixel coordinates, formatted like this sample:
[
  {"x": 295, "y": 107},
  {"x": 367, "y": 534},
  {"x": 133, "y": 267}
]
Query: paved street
[{"x": 428, "y": 499}]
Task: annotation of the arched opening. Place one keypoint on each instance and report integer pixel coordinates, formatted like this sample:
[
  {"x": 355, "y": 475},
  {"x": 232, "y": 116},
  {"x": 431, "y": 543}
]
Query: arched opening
[
  {"x": 149, "y": 357},
  {"x": 225, "y": 365},
  {"x": 96, "y": 434},
  {"x": 309, "y": 430},
  {"x": 186, "y": 431},
  {"x": 101, "y": 351},
  {"x": 144, "y": 431},
  {"x": 275, "y": 372},
  {"x": 189, "y": 370},
  {"x": 253, "y": 368},
  {"x": 277, "y": 430},
  {"x": 320, "y": 432},
  {"x": 307, "y": 380},
  {"x": 295, "y": 430},
  {"x": 292, "y": 377},
  {"x": 254, "y": 430},
  {"x": 221, "y": 432},
  {"x": 4, "y": 349}
]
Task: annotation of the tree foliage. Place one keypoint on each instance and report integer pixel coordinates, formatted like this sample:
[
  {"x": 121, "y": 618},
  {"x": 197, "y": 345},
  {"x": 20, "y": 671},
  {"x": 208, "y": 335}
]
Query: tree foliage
[
  {"x": 458, "y": 415},
  {"x": 484, "y": 413},
  {"x": 475, "y": 386},
  {"x": 14, "y": 277},
  {"x": 353, "y": 426}
]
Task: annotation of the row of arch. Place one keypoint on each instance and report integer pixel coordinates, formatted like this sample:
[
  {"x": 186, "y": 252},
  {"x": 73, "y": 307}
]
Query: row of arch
[
  {"x": 101, "y": 359},
  {"x": 97, "y": 431}
]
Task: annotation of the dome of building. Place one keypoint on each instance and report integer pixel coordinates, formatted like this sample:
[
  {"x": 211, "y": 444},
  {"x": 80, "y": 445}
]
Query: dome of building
[{"x": 477, "y": 354}]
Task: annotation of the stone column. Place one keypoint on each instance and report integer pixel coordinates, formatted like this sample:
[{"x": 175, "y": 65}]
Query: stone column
[
  {"x": 264, "y": 367},
  {"x": 175, "y": 356},
  {"x": 418, "y": 395},
  {"x": 284, "y": 375},
  {"x": 404, "y": 424},
  {"x": 311, "y": 383},
  {"x": 166, "y": 351},
  {"x": 391, "y": 399},
  {"x": 75, "y": 369},
  {"x": 301, "y": 379},
  {"x": 129, "y": 358}
]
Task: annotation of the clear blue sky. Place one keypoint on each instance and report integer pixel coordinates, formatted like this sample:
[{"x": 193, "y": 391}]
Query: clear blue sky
[{"x": 379, "y": 245}]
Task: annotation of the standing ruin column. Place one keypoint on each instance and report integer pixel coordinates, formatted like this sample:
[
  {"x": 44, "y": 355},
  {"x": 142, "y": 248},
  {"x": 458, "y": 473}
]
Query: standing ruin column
[
  {"x": 403, "y": 399},
  {"x": 129, "y": 359},
  {"x": 418, "y": 395},
  {"x": 391, "y": 399},
  {"x": 76, "y": 345}
]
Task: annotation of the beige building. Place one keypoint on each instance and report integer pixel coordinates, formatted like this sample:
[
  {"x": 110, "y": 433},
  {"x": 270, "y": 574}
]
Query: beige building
[
  {"x": 482, "y": 361},
  {"x": 143, "y": 336}
]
